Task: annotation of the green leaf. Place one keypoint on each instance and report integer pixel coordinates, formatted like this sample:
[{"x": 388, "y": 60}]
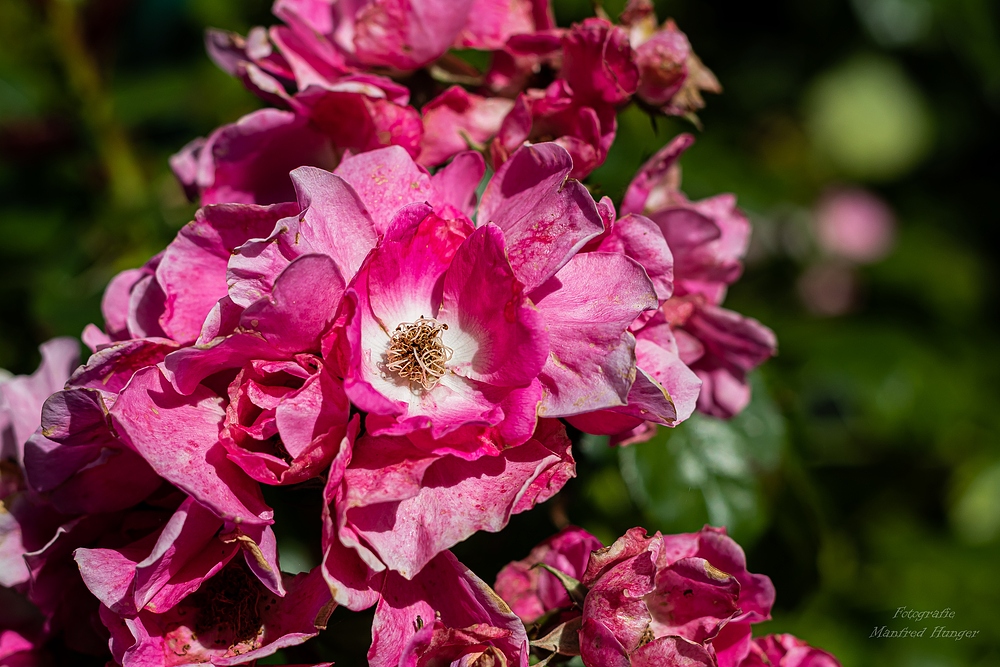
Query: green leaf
[{"x": 707, "y": 469}]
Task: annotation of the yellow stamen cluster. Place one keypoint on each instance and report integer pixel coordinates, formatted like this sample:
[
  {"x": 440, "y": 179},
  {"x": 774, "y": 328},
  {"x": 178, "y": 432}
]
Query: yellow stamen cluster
[{"x": 417, "y": 353}]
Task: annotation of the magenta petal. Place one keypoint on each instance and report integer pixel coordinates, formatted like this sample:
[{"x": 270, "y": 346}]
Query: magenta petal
[
  {"x": 84, "y": 467},
  {"x": 410, "y": 507},
  {"x": 385, "y": 180},
  {"x": 657, "y": 179},
  {"x": 479, "y": 287},
  {"x": 545, "y": 217},
  {"x": 114, "y": 303},
  {"x": 301, "y": 306},
  {"x": 192, "y": 271},
  {"x": 185, "y": 554},
  {"x": 407, "y": 34},
  {"x": 248, "y": 161},
  {"x": 145, "y": 305},
  {"x": 447, "y": 592},
  {"x": 456, "y": 121},
  {"x": 455, "y": 184},
  {"x": 313, "y": 411},
  {"x": 187, "y": 367},
  {"x": 531, "y": 591},
  {"x": 179, "y": 436},
  {"x": 335, "y": 221},
  {"x": 599, "y": 64},
  {"x": 757, "y": 591},
  {"x": 21, "y": 397},
  {"x": 492, "y": 22},
  {"x": 599, "y": 646},
  {"x": 697, "y": 615},
  {"x": 588, "y": 306},
  {"x": 108, "y": 574},
  {"x": 734, "y": 345},
  {"x": 639, "y": 238},
  {"x": 352, "y": 582},
  {"x": 672, "y": 651},
  {"x": 108, "y": 370}
]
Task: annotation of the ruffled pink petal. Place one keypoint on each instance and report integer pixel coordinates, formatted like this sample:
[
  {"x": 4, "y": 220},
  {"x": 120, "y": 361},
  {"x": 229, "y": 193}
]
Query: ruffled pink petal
[
  {"x": 115, "y": 302},
  {"x": 409, "y": 506},
  {"x": 545, "y": 218},
  {"x": 407, "y": 34},
  {"x": 248, "y": 162},
  {"x": 192, "y": 272},
  {"x": 145, "y": 305},
  {"x": 352, "y": 582},
  {"x": 672, "y": 651},
  {"x": 588, "y": 306},
  {"x": 455, "y": 185},
  {"x": 658, "y": 180},
  {"x": 335, "y": 221},
  {"x": 22, "y": 396},
  {"x": 598, "y": 62},
  {"x": 639, "y": 238},
  {"x": 109, "y": 369},
  {"x": 448, "y": 592},
  {"x": 599, "y": 646},
  {"x": 386, "y": 180},
  {"x": 456, "y": 121},
  {"x": 484, "y": 302},
  {"x": 179, "y": 436},
  {"x": 532, "y": 591},
  {"x": 301, "y": 307},
  {"x": 492, "y": 22},
  {"x": 356, "y": 116},
  {"x": 734, "y": 345},
  {"x": 79, "y": 463}
]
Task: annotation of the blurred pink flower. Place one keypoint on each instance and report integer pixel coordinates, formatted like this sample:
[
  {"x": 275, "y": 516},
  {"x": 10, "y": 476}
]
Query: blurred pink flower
[{"x": 855, "y": 224}]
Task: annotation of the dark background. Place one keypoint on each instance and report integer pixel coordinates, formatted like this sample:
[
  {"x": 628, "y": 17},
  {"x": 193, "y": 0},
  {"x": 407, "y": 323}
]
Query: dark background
[{"x": 864, "y": 477}]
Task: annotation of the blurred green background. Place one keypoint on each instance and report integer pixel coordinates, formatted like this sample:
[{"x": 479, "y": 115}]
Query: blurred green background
[{"x": 864, "y": 477}]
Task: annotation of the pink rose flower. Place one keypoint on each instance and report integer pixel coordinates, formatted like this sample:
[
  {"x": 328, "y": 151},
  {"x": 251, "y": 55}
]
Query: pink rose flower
[
  {"x": 785, "y": 651},
  {"x": 445, "y": 615},
  {"x": 531, "y": 591},
  {"x": 671, "y": 76},
  {"x": 433, "y": 500},
  {"x": 854, "y": 224},
  {"x": 653, "y": 597},
  {"x": 708, "y": 240}
]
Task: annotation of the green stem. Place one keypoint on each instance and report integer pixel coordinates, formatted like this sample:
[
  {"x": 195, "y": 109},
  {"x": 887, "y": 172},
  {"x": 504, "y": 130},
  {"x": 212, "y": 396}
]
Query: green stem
[{"x": 125, "y": 179}]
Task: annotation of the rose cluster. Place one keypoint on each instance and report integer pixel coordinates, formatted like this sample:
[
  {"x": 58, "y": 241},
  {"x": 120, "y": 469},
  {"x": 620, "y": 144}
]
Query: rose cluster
[
  {"x": 647, "y": 601},
  {"x": 404, "y": 305}
]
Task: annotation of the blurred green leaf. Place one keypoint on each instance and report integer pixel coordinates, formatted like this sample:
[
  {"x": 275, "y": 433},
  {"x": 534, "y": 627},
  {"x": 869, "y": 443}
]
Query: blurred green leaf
[
  {"x": 976, "y": 512},
  {"x": 869, "y": 118},
  {"x": 708, "y": 470}
]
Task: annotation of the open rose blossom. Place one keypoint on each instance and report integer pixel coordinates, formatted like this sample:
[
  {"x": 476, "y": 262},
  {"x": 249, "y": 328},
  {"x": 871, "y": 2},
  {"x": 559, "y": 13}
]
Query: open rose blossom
[{"x": 201, "y": 589}]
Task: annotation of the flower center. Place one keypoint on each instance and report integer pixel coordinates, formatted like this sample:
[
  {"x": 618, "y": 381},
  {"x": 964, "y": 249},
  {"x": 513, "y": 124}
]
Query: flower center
[{"x": 417, "y": 353}]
